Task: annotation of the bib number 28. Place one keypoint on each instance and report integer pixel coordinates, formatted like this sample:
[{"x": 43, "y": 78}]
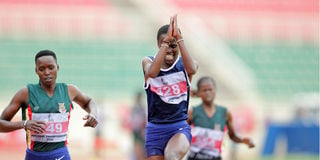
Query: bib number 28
[{"x": 169, "y": 90}]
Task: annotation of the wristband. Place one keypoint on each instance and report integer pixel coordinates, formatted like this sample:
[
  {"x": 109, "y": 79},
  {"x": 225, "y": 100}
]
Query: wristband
[
  {"x": 93, "y": 115},
  {"x": 25, "y": 124},
  {"x": 179, "y": 40}
]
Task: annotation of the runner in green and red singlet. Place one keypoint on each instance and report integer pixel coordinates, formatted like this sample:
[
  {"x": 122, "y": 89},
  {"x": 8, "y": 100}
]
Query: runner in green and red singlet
[
  {"x": 46, "y": 108},
  {"x": 209, "y": 122}
]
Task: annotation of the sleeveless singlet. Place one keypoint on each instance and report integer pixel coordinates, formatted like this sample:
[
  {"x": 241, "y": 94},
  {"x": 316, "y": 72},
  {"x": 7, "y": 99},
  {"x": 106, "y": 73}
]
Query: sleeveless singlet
[
  {"x": 207, "y": 132},
  {"x": 168, "y": 94},
  {"x": 54, "y": 110}
]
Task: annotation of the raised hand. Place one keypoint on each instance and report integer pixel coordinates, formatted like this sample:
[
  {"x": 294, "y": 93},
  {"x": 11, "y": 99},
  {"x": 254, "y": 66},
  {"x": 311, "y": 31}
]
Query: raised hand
[
  {"x": 169, "y": 36},
  {"x": 176, "y": 31}
]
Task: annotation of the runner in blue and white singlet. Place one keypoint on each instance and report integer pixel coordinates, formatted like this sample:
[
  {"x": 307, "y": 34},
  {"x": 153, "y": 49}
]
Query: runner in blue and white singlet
[
  {"x": 168, "y": 94},
  {"x": 167, "y": 86}
]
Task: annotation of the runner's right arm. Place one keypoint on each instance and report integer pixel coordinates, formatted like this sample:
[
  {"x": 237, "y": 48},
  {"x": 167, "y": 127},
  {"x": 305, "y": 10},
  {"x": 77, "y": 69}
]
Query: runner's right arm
[{"x": 18, "y": 100}]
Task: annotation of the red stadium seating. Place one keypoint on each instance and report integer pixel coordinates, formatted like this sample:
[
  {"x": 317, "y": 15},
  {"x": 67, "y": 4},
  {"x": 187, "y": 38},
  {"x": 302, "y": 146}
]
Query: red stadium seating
[
  {"x": 244, "y": 5},
  {"x": 284, "y": 19},
  {"x": 57, "y": 2}
]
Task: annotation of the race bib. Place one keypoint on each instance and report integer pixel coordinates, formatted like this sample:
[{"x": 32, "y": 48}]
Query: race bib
[
  {"x": 171, "y": 88},
  {"x": 206, "y": 141},
  {"x": 56, "y": 128}
]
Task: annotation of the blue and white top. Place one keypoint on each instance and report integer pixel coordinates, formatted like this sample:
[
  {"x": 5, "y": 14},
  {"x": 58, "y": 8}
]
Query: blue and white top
[{"x": 168, "y": 94}]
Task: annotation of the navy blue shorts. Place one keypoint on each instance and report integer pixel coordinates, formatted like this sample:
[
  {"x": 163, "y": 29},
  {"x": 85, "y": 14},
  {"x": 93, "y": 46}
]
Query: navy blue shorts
[
  {"x": 158, "y": 135},
  {"x": 57, "y": 154}
]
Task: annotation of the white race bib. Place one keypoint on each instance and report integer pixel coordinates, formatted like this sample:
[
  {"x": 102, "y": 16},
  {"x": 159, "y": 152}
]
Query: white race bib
[
  {"x": 56, "y": 128},
  {"x": 206, "y": 140},
  {"x": 171, "y": 88}
]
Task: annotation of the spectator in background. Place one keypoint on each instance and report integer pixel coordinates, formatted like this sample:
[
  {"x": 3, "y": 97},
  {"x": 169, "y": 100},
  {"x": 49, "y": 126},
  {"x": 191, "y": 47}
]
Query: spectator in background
[
  {"x": 138, "y": 122},
  {"x": 210, "y": 121},
  {"x": 167, "y": 85},
  {"x": 46, "y": 109}
]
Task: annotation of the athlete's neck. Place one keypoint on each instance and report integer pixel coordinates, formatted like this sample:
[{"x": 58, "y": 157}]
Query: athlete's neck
[
  {"x": 166, "y": 66},
  {"x": 207, "y": 104},
  {"x": 210, "y": 109},
  {"x": 49, "y": 89}
]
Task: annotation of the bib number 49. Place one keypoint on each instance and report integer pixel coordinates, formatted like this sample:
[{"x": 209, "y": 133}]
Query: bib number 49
[{"x": 54, "y": 128}]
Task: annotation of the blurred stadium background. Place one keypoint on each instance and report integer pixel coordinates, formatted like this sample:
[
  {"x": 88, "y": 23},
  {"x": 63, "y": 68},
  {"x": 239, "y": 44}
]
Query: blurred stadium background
[{"x": 263, "y": 54}]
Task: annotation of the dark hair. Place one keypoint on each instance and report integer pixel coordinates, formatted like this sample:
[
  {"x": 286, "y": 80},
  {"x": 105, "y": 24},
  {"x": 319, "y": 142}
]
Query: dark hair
[
  {"x": 45, "y": 53},
  {"x": 162, "y": 30},
  {"x": 205, "y": 78}
]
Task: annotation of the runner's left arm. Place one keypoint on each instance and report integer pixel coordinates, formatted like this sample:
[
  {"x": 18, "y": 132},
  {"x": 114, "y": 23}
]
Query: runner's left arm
[
  {"x": 233, "y": 136},
  {"x": 86, "y": 103},
  {"x": 191, "y": 65}
]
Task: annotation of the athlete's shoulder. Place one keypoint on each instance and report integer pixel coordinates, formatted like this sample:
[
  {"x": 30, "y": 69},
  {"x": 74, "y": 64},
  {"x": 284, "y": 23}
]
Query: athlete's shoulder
[
  {"x": 179, "y": 63},
  {"x": 62, "y": 84},
  {"x": 73, "y": 91},
  {"x": 197, "y": 108},
  {"x": 71, "y": 86},
  {"x": 31, "y": 87},
  {"x": 24, "y": 90},
  {"x": 22, "y": 95},
  {"x": 151, "y": 58},
  {"x": 222, "y": 108}
]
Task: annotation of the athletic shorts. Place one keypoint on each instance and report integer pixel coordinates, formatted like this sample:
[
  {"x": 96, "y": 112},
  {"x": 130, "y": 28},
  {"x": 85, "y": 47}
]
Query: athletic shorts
[
  {"x": 158, "y": 135},
  {"x": 57, "y": 154}
]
